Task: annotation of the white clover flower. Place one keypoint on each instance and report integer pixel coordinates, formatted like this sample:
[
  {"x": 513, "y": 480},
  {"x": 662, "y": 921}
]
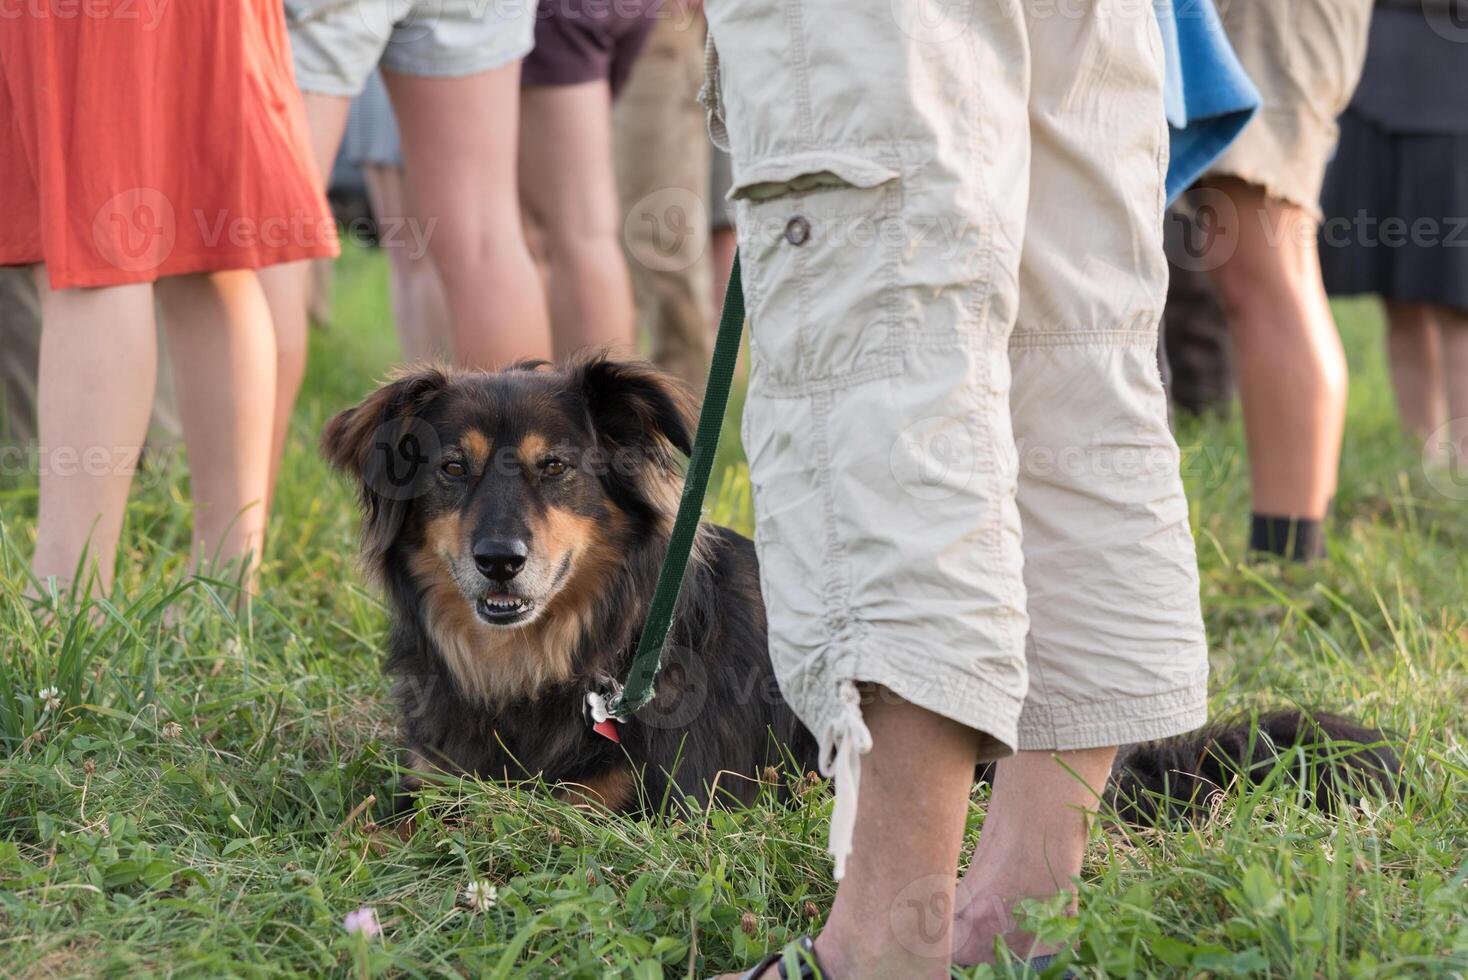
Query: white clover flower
[
  {"x": 50, "y": 698},
  {"x": 172, "y": 730},
  {"x": 480, "y": 895}
]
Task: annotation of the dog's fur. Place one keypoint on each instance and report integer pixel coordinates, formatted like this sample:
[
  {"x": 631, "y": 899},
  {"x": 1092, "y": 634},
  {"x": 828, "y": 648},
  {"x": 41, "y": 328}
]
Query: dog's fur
[{"x": 492, "y": 675}]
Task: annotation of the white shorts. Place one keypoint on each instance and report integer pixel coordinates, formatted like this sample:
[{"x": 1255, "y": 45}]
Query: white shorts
[
  {"x": 965, "y": 486},
  {"x": 337, "y": 43},
  {"x": 1305, "y": 57}
]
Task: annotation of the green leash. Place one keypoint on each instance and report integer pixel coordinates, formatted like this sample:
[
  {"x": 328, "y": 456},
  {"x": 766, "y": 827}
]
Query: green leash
[{"x": 648, "y": 660}]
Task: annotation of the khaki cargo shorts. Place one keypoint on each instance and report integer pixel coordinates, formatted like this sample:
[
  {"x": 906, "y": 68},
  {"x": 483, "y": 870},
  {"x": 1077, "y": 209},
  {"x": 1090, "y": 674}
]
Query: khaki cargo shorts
[
  {"x": 337, "y": 43},
  {"x": 1305, "y": 57},
  {"x": 965, "y": 486}
]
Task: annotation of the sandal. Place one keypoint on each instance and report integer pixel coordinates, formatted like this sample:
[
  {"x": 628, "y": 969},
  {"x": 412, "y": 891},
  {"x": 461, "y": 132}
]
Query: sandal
[
  {"x": 805, "y": 950},
  {"x": 1042, "y": 963},
  {"x": 1037, "y": 963}
]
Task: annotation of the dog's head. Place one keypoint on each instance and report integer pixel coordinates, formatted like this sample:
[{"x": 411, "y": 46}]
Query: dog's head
[{"x": 508, "y": 492}]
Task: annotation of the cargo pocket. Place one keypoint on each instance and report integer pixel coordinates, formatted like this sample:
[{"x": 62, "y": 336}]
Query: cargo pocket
[{"x": 820, "y": 237}]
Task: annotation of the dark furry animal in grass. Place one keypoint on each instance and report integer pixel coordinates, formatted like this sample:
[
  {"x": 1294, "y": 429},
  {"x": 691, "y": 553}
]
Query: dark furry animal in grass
[{"x": 516, "y": 521}]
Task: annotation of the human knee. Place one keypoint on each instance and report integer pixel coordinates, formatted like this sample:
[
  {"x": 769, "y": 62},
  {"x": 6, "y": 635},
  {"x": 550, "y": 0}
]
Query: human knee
[{"x": 477, "y": 251}]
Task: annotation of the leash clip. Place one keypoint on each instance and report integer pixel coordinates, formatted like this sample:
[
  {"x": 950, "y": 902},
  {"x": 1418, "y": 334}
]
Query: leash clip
[{"x": 604, "y": 721}]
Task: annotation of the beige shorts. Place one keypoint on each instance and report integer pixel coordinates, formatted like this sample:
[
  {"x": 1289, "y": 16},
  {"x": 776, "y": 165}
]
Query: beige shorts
[
  {"x": 337, "y": 43},
  {"x": 1305, "y": 56},
  {"x": 965, "y": 486}
]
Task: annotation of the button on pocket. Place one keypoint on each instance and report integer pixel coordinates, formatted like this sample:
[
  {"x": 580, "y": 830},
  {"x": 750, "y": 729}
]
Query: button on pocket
[{"x": 820, "y": 254}]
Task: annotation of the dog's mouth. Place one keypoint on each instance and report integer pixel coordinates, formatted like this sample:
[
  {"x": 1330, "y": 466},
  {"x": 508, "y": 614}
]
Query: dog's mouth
[{"x": 503, "y": 608}]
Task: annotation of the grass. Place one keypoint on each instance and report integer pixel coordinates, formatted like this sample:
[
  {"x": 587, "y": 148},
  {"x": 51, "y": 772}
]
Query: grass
[{"x": 194, "y": 806}]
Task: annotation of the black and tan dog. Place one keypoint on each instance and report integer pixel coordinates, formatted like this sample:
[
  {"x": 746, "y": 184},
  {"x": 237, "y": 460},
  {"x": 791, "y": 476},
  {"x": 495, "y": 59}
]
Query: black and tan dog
[{"x": 517, "y": 520}]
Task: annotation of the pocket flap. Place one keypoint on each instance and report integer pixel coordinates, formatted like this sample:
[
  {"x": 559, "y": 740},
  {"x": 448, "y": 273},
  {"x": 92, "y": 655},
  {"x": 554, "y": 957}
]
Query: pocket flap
[{"x": 776, "y": 176}]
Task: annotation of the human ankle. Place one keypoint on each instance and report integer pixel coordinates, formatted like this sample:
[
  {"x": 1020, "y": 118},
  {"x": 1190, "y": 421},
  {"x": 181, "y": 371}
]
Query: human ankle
[{"x": 989, "y": 910}]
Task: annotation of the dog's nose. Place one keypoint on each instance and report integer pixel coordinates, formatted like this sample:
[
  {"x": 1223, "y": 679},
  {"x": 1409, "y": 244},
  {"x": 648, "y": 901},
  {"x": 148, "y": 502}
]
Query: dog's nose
[{"x": 500, "y": 559}]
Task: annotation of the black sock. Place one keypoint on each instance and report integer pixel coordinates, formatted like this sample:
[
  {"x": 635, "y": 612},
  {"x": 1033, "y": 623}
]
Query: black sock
[{"x": 1296, "y": 538}]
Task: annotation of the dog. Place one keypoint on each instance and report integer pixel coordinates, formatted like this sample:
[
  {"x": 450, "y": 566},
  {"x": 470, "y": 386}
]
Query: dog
[{"x": 517, "y": 521}]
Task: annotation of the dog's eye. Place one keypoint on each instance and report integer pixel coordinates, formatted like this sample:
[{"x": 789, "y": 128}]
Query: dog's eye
[
  {"x": 453, "y": 467},
  {"x": 553, "y": 467}
]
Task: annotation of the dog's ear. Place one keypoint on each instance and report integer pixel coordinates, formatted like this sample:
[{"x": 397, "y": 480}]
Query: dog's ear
[
  {"x": 349, "y": 438},
  {"x": 386, "y": 445},
  {"x": 636, "y": 407}
]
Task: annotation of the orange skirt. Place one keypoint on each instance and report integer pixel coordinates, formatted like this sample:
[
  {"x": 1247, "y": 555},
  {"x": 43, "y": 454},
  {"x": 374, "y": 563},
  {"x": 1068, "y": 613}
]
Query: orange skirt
[{"x": 139, "y": 141}]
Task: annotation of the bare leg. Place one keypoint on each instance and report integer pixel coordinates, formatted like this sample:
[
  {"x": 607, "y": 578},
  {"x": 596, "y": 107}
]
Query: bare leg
[
  {"x": 662, "y": 161},
  {"x": 1414, "y": 352},
  {"x": 223, "y": 349},
  {"x": 1291, "y": 367},
  {"x": 459, "y": 147},
  {"x": 893, "y": 914},
  {"x": 99, "y": 361},
  {"x": 419, "y": 307},
  {"x": 1031, "y": 847},
  {"x": 288, "y": 286},
  {"x": 1454, "y": 326},
  {"x": 567, "y": 185}
]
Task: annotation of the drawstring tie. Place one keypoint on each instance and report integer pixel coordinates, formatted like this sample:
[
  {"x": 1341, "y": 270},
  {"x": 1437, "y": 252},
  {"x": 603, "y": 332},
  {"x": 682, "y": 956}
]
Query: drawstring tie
[{"x": 843, "y": 743}]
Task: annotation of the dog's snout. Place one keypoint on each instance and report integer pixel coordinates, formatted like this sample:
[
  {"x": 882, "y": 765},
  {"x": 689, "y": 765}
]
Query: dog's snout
[{"x": 500, "y": 558}]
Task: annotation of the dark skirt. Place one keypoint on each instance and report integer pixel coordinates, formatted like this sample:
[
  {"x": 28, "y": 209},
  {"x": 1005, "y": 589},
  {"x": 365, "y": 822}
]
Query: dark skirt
[{"x": 1396, "y": 215}]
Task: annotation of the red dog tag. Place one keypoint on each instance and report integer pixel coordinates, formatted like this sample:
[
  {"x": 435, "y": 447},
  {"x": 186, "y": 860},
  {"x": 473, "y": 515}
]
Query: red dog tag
[{"x": 608, "y": 729}]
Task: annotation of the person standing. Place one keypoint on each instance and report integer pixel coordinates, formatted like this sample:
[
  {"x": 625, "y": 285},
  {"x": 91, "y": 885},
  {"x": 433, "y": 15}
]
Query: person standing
[
  {"x": 176, "y": 191},
  {"x": 372, "y": 144},
  {"x": 1305, "y": 56},
  {"x": 662, "y": 157},
  {"x": 972, "y": 533},
  {"x": 1396, "y": 209},
  {"x": 584, "y": 53},
  {"x": 452, "y": 68}
]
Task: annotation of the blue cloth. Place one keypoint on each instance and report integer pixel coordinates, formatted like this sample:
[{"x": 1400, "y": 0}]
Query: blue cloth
[{"x": 1209, "y": 98}]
